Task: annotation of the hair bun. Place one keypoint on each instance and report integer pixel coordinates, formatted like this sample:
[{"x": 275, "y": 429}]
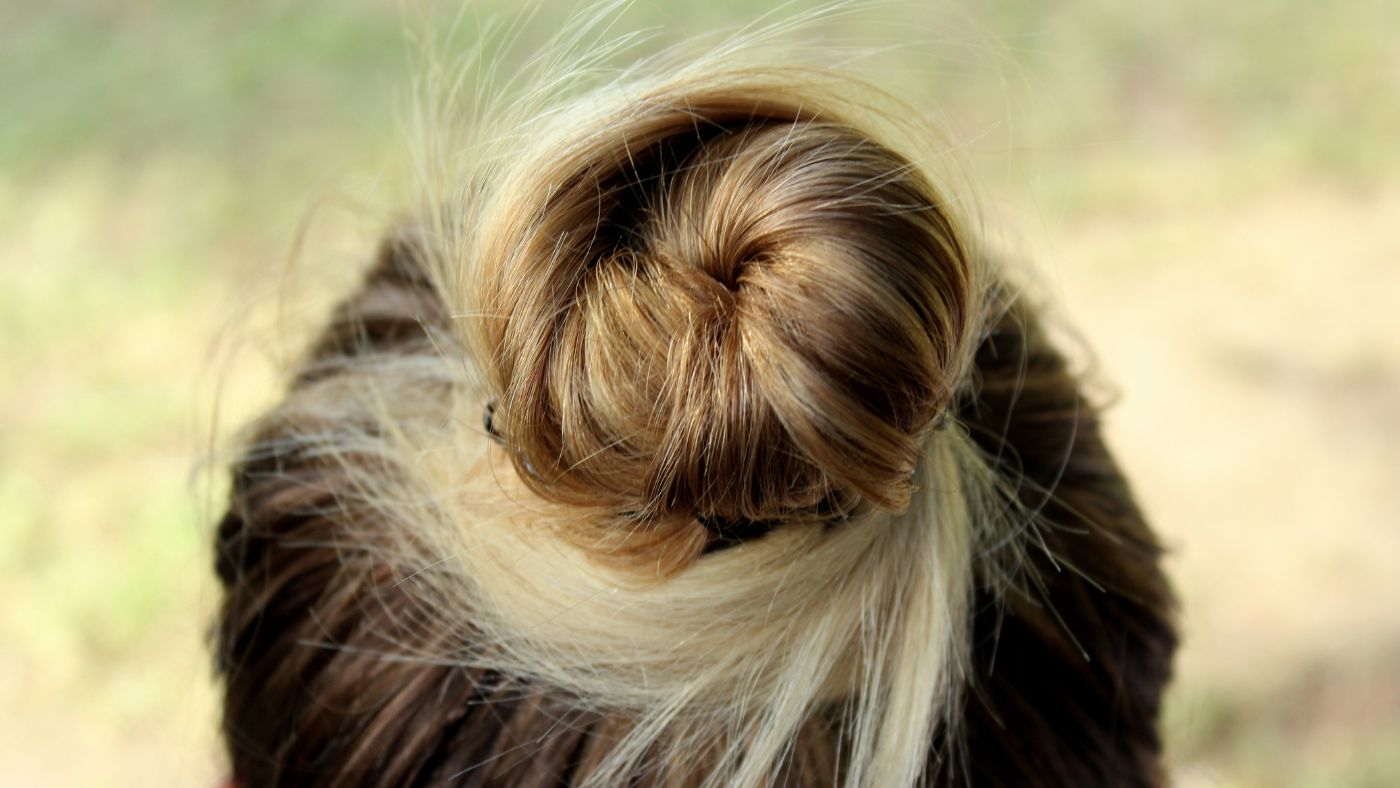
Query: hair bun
[{"x": 720, "y": 305}]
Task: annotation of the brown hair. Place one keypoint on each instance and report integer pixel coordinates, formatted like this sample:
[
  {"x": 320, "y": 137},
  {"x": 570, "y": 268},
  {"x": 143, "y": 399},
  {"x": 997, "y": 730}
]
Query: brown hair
[
  {"x": 798, "y": 490},
  {"x": 746, "y": 321}
]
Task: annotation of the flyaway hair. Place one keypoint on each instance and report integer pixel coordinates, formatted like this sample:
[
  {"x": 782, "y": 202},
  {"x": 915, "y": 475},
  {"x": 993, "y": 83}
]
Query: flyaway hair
[{"x": 691, "y": 437}]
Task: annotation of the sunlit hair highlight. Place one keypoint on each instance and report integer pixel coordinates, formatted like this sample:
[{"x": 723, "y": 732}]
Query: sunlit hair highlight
[{"x": 708, "y": 307}]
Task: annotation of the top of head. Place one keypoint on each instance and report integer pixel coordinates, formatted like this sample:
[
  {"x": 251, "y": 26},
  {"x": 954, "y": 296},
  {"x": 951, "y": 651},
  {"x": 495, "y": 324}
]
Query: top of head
[{"x": 720, "y": 301}]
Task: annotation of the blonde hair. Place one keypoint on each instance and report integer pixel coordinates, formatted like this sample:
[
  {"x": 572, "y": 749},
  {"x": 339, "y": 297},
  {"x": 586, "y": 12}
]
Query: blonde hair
[{"x": 721, "y": 319}]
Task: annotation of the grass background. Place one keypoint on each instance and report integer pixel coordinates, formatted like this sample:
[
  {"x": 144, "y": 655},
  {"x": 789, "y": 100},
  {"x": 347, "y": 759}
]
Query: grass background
[{"x": 1212, "y": 192}]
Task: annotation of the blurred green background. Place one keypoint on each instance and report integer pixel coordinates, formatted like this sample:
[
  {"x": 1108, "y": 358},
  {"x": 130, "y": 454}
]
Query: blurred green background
[{"x": 1211, "y": 191}]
